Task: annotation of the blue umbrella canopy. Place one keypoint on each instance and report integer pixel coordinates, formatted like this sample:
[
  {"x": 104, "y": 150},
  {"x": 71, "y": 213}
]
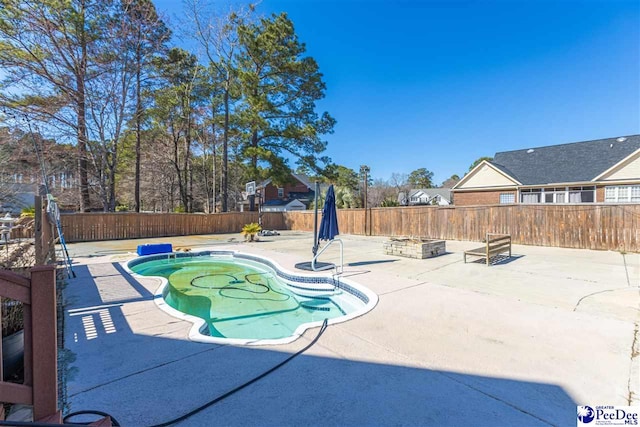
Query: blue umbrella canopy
[{"x": 329, "y": 224}]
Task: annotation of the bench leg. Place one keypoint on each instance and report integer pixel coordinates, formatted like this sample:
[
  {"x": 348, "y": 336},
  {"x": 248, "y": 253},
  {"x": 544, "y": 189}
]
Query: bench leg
[{"x": 465, "y": 257}]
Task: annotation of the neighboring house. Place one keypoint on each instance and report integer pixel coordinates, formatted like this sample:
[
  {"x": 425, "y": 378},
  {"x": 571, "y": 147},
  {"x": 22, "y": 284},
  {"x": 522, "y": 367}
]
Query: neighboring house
[
  {"x": 599, "y": 171},
  {"x": 283, "y": 206},
  {"x": 300, "y": 189},
  {"x": 426, "y": 196},
  {"x": 18, "y": 197}
]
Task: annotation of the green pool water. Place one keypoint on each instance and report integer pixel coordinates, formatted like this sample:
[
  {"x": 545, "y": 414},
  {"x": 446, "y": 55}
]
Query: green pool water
[{"x": 238, "y": 300}]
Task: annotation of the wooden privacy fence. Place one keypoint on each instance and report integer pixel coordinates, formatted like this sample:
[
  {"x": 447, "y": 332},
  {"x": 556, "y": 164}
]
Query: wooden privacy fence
[
  {"x": 88, "y": 227},
  {"x": 38, "y": 295},
  {"x": 593, "y": 226}
]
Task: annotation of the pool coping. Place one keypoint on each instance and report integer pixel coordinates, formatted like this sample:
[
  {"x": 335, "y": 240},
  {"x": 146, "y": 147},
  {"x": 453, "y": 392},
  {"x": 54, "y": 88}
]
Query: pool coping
[{"x": 360, "y": 291}]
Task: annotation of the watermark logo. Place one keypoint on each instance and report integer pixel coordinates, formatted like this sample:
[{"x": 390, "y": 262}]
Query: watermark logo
[
  {"x": 589, "y": 416},
  {"x": 586, "y": 414}
]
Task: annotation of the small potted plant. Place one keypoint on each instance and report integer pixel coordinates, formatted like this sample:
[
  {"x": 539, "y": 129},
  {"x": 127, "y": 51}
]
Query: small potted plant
[{"x": 250, "y": 231}]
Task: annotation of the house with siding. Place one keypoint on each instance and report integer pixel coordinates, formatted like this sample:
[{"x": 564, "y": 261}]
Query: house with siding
[
  {"x": 598, "y": 171},
  {"x": 426, "y": 196},
  {"x": 283, "y": 206}
]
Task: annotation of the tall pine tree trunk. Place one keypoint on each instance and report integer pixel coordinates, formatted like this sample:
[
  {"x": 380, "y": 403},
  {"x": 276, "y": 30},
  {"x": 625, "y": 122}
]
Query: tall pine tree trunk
[
  {"x": 254, "y": 168},
  {"x": 138, "y": 125}
]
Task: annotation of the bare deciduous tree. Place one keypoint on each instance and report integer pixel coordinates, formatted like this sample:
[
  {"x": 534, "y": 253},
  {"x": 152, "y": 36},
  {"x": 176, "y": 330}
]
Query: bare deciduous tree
[{"x": 47, "y": 53}]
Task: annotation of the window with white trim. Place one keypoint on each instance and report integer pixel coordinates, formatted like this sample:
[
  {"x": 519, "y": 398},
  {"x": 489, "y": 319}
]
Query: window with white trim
[
  {"x": 610, "y": 194},
  {"x": 584, "y": 194},
  {"x": 506, "y": 198},
  {"x": 555, "y": 195},
  {"x": 622, "y": 194},
  {"x": 280, "y": 192},
  {"x": 531, "y": 195}
]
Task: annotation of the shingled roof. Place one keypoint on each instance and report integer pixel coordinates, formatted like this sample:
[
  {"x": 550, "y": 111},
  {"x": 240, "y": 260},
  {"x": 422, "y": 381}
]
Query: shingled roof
[{"x": 574, "y": 162}]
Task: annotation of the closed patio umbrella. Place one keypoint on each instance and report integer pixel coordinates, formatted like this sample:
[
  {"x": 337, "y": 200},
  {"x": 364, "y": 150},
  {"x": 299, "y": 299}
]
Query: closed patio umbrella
[
  {"x": 328, "y": 231},
  {"x": 329, "y": 224}
]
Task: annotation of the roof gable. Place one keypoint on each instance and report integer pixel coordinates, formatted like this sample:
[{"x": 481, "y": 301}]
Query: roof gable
[
  {"x": 565, "y": 163},
  {"x": 628, "y": 168},
  {"x": 303, "y": 179},
  {"x": 486, "y": 175}
]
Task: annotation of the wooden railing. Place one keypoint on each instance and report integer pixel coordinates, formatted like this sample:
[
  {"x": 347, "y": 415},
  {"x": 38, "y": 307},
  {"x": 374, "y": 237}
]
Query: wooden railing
[{"x": 38, "y": 296}]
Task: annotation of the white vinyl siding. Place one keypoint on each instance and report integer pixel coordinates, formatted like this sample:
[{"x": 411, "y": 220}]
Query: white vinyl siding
[
  {"x": 628, "y": 169},
  {"x": 485, "y": 177}
]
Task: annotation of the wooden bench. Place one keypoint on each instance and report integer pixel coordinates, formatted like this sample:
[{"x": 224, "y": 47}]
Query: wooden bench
[{"x": 495, "y": 244}]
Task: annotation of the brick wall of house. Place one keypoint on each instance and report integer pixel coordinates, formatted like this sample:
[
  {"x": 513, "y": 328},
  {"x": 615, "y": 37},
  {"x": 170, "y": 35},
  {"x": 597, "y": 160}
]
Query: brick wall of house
[
  {"x": 271, "y": 192},
  {"x": 480, "y": 197},
  {"x": 493, "y": 197}
]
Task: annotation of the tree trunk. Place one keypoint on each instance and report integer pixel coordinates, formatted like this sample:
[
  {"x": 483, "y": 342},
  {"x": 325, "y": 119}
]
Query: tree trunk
[
  {"x": 254, "y": 168},
  {"x": 187, "y": 161},
  {"x": 138, "y": 124},
  {"x": 85, "y": 202},
  {"x": 213, "y": 165},
  {"x": 112, "y": 181},
  {"x": 225, "y": 155},
  {"x": 176, "y": 164}
]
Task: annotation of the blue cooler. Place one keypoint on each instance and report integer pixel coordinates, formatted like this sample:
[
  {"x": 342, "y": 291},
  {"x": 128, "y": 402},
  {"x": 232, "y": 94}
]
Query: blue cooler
[{"x": 155, "y": 248}]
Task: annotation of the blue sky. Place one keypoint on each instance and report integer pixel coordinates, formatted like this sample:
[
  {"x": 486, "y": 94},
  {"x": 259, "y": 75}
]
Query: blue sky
[{"x": 437, "y": 84}]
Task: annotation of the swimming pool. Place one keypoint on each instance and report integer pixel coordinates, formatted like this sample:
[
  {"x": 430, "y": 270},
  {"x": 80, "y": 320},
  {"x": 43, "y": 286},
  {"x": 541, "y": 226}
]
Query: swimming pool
[{"x": 238, "y": 298}]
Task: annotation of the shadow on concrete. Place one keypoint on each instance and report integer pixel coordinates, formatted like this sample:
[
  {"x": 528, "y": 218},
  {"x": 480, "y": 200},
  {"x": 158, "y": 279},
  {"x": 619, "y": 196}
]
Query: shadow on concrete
[
  {"x": 382, "y": 261},
  {"x": 497, "y": 260},
  {"x": 133, "y": 282},
  {"x": 320, "y": 266},
  {"x": 152, "y": 374},
  {"x": 110, "y": 284}
]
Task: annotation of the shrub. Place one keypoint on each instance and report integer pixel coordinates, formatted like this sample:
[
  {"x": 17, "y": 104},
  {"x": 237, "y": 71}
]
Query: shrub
[
  {"x": 29, "y": 212},
  {"x": 251, "y": 230},
  {"x": 389, "y": 203}
]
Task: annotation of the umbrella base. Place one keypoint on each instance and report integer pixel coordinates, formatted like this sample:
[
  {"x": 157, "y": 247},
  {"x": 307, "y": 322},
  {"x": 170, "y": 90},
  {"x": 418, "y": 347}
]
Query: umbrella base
[{"x": 319, "y": 266}]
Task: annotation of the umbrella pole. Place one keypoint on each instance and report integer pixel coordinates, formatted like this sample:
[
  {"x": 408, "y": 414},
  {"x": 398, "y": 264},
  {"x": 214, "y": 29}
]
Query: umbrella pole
[{"x": 315, "y": 220}]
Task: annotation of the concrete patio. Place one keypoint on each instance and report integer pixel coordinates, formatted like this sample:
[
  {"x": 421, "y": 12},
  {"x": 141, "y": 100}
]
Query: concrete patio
[{"x": 520, "y": 343}]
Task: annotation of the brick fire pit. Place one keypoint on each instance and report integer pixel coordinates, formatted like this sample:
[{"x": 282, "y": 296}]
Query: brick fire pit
[{"x": 414, "y": 248}]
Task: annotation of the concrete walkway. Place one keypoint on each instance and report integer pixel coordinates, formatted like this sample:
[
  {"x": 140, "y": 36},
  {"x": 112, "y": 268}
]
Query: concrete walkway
[{"x": 520, "y": 343}]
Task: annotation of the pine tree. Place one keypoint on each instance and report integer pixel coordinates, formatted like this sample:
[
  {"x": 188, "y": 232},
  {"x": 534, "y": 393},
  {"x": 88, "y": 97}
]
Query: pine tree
[{"x": 280, "y": 87}]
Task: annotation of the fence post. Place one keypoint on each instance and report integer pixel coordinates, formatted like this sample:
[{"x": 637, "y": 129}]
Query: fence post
[
  {"x": 44, "y": 352},
  {"x": 37, "y": 230}
]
